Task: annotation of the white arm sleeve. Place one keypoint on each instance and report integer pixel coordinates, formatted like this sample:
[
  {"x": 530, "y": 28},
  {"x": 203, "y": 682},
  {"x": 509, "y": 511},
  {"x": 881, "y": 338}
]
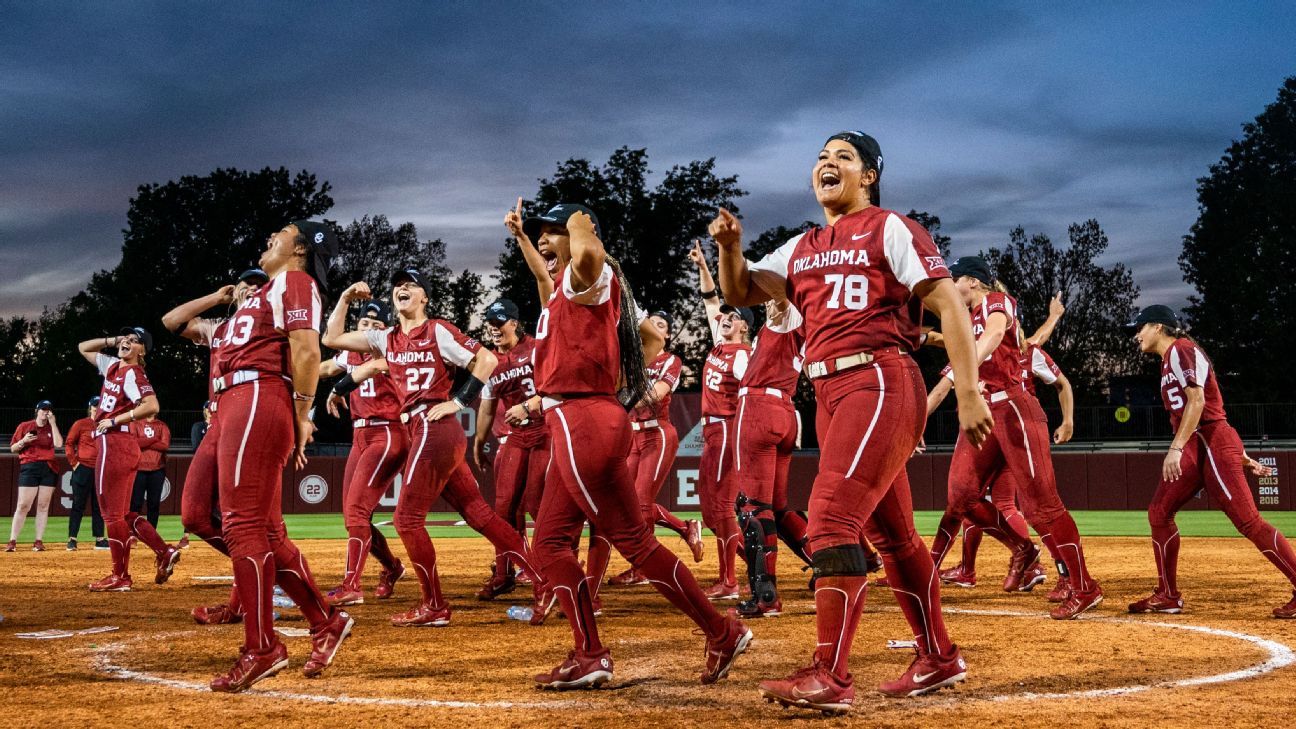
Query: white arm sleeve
[{"x": 598, "y": 293}]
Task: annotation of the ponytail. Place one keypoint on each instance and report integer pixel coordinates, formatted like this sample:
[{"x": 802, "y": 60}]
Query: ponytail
[
  {"x": 998, "y": 286},
  {"x": 634, "y": 377}
]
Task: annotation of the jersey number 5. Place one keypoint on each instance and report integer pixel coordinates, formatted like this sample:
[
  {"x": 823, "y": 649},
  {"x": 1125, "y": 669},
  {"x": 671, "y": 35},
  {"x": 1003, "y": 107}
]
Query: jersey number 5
[
  {"x": 849, "y": 291},
  {"x": 1176, "y": 402}
]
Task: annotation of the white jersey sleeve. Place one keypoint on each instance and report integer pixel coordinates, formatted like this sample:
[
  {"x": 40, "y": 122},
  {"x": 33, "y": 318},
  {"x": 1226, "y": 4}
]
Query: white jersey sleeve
[
  {"x": 378, "y": 339},
  {"x": 771, "y": 272},
  {"x": 598, "y": 292},
  {"x": 451, "y": 349},
  {"x": 901, "y": 253},
  {"x": 103, "y": 362}
]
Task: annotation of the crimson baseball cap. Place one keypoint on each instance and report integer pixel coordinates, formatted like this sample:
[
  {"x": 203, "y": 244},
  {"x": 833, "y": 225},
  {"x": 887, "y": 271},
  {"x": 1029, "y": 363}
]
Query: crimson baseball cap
[
  {"x": 558, "y": 215},
  {"x": 142, "y": 333},
  {"x": 1155, "y": 314}
]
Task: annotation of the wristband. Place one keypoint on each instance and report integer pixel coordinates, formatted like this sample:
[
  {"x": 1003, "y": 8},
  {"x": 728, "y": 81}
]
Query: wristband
[
  {"x": 345, "y": 385},
  {"x": 299, "y": 397},
  {"x": 1176, "y": 449},
  {"x": 469, "y": 391},
  {"x": 708, "y": 294}
]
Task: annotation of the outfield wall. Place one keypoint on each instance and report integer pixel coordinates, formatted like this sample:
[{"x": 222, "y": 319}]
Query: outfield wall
[{"x": 1106, "y": 480}]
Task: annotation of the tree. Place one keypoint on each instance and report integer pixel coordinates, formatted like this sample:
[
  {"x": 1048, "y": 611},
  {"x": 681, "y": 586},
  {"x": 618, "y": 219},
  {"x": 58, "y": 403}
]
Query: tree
[
  {"x": 933, "y": 225},
  {"x": 648, "y": 230},
  {"x": 17, "y": 343},
  {"x": 183, "y": 239},
  {"x": 1090, "y": 344},
  {"x": 371, "y": 250},
  {"x": 1241, "y": 253},
  {"x": 467, "y": 294}
]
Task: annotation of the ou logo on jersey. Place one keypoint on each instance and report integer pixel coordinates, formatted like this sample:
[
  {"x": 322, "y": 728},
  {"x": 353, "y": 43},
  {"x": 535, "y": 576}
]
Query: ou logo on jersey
[{"x": 148, "y": 431}]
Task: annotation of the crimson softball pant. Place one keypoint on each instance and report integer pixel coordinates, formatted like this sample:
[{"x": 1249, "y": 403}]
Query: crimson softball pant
[
  {"x": 463, "y": 494},
  {"x": 652, "y": 453},
  {"x": 114, "y": 482},
  {"x": 1213, "y": 459},
  {"x": 377, "y": 455},
  {"x": 1003, "y": 495},
  {"x": 588, "y": 480},
  {"x": 199, "y": 499},
  {"x": 256, "y": 437},
  {"x": 436, "y": 450},
  {"x": 974, "y": 474},
  {"x": 718, "y": 490},
  {"x": 519, "y": 479},
  {"x": 869, "y": 421},
  {"x": 764, "y": 437}
]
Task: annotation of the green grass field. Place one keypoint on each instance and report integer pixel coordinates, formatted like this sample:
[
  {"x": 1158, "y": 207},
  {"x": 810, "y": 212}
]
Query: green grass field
[{"x": 329, "y": 526}]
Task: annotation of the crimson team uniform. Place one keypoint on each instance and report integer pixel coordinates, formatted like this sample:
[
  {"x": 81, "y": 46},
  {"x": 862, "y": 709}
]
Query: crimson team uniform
[
  {"x": 717, "y": 486},
  {"x": 36, "y": 463},
  {"x": 124, "y": 386},
  {"x": 523, "y": 452},
  {"x": 200, "y": 497},
  {"x": 379, "y": 447},
  {"x": 653, "y": 444},
  {"x": 1213, "y": 459},
  {"x": 852, "y": 282},
  {"x": 150, "y": 474},
  {"x": 420, "y": 363},
  {"x": 254, "y": 436},
  {"x": 577, "y": 365},
  {"x": 82, "y": 452}
]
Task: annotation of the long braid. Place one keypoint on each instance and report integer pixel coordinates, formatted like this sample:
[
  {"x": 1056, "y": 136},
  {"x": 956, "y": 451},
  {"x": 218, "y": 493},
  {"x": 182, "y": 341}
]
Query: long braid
[{"x": 634, "y": 377}]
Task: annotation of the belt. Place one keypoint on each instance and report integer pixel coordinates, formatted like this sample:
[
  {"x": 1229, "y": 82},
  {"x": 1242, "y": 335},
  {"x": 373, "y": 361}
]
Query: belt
[
  {"x": 999, "y": 396},
  {"x": 225, "y": 382},
  {"x": 409, "y": 415},
  {"x": 771, "y": 391},
  {"x": 115, "y": 429},
  {"x": 815, "y": 370},
  {"x": 549, "y": 402},
  {"x": 365, "y": 422},
  {"x": 711, "y": 419},
  {"x": 503, "y": 440},
  {"x": 638, "y": 425},
  {"x": 212, "y": 407}
]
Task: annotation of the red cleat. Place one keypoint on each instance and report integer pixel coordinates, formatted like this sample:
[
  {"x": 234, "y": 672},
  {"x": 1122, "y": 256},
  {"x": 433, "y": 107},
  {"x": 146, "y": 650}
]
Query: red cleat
[
  {"x": 544, "y": 604},
  {"x": 721, "y": 591},
  {"x": 1023, "y": 560},
  {"x": 166, "y": 563},
  {"x": 723, "y": 651},
  {"x": 926, "y": 674},
  {"x": 112, "y": 583},
  {"x": 215, "y": 615},
  {"x": 629, "y": 578},
  {"x": 342, "y": 596},
  {"x": 815, "y": 688},
  {"x": 1158, "y": 603},
  {"x": 880, "y": 582},
  {"x": 956, "y": 575},
  {"x": 250, "y": 668},
  {"x": 693, "y": 537},
  {"x": 387, "y": 581},
  {"x": 423, "y": 616},
  {"x": 325, "y": 641},
  {"x": 12, "y": 546},
  {"x": 183, "y": 543},
  {"x": 524, "y": 578},
  {"x": 1076, "y": 603},
  {"x": 38, "y": 546},
  {"x": 1060, "y": 592},
  {"x": 496, "y": 585},
  {"x": 577, "y": 672},
  {"x": 1034, "y": 575},
  {"x": 1288, "y": 611}
]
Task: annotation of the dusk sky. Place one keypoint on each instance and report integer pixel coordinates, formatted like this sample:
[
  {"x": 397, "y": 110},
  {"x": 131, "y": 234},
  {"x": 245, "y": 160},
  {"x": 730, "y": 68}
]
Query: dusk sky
[{"x": 989, "y": 115}]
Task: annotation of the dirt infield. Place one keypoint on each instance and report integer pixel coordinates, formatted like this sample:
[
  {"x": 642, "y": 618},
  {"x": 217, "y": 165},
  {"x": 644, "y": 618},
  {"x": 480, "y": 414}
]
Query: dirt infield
[{"x": 1110, "y": 669}]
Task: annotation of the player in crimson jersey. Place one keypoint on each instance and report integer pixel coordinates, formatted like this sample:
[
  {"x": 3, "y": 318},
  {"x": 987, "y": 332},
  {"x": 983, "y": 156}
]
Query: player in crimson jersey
[
  {"x": 653, "y": 445},
  {"x": 269, "y": 364},
  {"x": 81, "y": 454},
  {"x": 1206, "y": 453},
  {"x": 34, "y": 441},
  {"x": 1021, "y": 444},
  {"x": 523, "y": 451},
  {"x": 725, "y": 364},
  {"x": 126, "y": 397},
  {"x": 421, "y": 356},
  {"x": 379, "y": 446},
  {"x": 200, "y": 496},
  {"x": 860, "y": 282},
  {"x": 589, "y": 347}
]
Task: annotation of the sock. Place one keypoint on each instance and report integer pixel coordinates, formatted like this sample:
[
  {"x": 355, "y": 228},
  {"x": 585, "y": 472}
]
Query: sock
[
  {"x": 986, "y": 516},
  {"x": 235, "y": 602},
  {"x": 913, "y": 581},
  {"x": 1064, "y": 530},
  {"x": 949, "y": 526},
  {"x": 1274, "y": 546},
  {"x": 118, "y": 533},
  {"x": 572, "y": 588},
  {"x": 294, "y": 576},
  {"x": 1165, "y": 547},
  {"x": 596, "y": 562},
  {"x": 254, "y": 579},
  {"x": 839, "y": 602},
  {"x": 381, "y": 550},
  {"x": 418, "y": 545},
  {"x": 670, "y": 521},
  {"x": 143, "y": 530},
  {"x": 677, "y": 583},
  {"x": 971, "y": 544},
  {"x": 357, "y": 551}
]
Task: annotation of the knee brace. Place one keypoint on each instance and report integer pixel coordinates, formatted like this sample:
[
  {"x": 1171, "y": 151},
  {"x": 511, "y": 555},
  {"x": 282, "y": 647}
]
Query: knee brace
[{"x": 847, "y": 560}]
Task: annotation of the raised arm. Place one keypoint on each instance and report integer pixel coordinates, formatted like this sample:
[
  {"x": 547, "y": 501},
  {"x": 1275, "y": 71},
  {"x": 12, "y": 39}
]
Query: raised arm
[
  {"x": 183, "y": 319},
  {"x": 335, "y": 334},
  {"x": 706, "y": 287},
  {"x": 534, "y": 261},
  {"x": 91, "y": 348},
  {"x": 940, "y": 296},
  {"x": 1056, "y": 310},
  {"x": 587, "y": 253},
  {"x": 735, "y": 277},
  {"x": 54, "y": 430}
]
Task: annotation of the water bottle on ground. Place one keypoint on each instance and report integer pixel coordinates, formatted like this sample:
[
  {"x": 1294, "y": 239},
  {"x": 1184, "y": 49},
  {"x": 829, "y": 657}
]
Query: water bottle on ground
[{"x": 519, "y": 612}]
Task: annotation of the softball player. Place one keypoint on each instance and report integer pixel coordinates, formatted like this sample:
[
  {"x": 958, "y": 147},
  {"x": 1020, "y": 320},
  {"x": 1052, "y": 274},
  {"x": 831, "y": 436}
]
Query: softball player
[
  {"x": 859, "y": 282},
  {"x": 588, "y": 344},
  {"x": 725, "y": 365},
  {"x": 1206, "y": 453},
  {"x": 379, "y": 446},
  {"x": 126, "y": 397}
]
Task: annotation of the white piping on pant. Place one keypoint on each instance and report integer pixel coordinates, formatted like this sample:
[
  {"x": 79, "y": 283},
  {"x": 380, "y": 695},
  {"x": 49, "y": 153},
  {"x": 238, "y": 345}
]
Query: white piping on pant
[
  {"x": 572, "y": 456},
  {"x": 383, "y": 458},
  {"x": 1025, "y": 437},
  {"x": 872, "y": 423},
  {"x": 238, "y": 464}
]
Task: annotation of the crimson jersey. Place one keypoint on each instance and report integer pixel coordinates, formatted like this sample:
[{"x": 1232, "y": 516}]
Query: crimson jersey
[
  {"x": 852, "y": 282},
  {"x": 377, "y": 397},
  {"x": 256, "y": 337},
  {"x": 215, "y": 334},
  {"x": 1036, "y": 364},
  {"x": 1002, "y": 370},
  {"x": 667, "y": 368},
  {"x": 577, "y": 351},
  {"x": 41, "y": 449},
  {"x": 725, "y": 365},
  {"x": 123, "y": 386},
  {"x": 79, "y": 443},
  {"x": 1186, "y": 365},
  {"x": 513, "y": 382},
  {"x": 777, "y": 354},
  {"x": 421, "y": 361}
]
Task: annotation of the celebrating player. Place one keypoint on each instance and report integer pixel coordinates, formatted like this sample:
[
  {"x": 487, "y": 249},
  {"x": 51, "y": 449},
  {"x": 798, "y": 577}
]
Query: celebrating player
[
  {"x": 1206, "y": 453},
  {"x": 82, "y": 452},
  {"x": 199, "y": 499},
  {"x": 34, "y": 441},
  {"x": 653, "y": 445},
  {"x": 523, "y": 451},
  {"x": 126, "y": 397},
  {"x": 858, "y": 282},
  {"x": 269, "y": 369},
  {"x": 379, "y": 446},
  {"x": 725, "y": 364},
  {"x": 588, "y": 348}
]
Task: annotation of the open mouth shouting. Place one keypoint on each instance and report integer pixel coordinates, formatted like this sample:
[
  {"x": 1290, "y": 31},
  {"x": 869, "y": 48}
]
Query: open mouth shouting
[
  {"x": 828, "y": 180},
  {"x": 550, "y": 257}
]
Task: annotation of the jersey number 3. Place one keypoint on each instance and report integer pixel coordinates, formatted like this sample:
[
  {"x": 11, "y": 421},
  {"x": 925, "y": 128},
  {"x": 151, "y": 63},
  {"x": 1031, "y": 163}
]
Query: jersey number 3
[{"x": 849, "y": 291}]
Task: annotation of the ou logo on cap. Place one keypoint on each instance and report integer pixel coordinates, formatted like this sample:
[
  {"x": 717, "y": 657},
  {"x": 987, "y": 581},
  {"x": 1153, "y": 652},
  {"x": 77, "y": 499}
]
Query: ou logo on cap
[
  {"x": 319, "y": 238},
  {"x": 313, "y": 489}
]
